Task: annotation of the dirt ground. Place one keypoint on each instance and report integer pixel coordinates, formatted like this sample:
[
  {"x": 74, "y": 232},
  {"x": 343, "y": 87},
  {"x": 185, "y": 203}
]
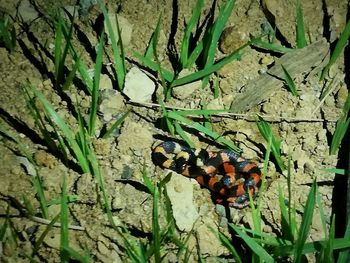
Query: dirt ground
[{"x": 304, "y": 123}]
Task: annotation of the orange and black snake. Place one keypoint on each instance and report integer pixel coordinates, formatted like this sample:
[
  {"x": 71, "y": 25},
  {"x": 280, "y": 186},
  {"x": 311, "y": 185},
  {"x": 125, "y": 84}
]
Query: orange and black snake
[{"x": 227, "y": 174}]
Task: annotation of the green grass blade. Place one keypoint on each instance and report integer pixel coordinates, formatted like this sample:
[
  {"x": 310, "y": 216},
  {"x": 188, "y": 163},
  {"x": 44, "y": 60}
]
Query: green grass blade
[
  {"x": 183, "y": 134},
  {"x": 313, "y": 247},
  {"x": 116, "y": 125},
  {"x": 7, "y": 33},
  {"x": 270, "y": 46},
  {"x": 328, "y": 250},
  {"x": 341, "y": 43},
  {"x": 75, "y": 255},
  {"x": 40, "y": 240},
  {"x": 96, "y": 87},
  {"x": 206, "y": 117},
  {"x": 300, "y": 31},
  {"x": 209, "y": 69},
  {"x": 266, "y": 132},
  {"x": 155, "y": 227},
  {"x": 117, "y": 48},
  {"x": 254, "y": 246},
  {"x": 58, "y": 50},
  {"x": 334, "y": 170},
  {"x": 149, "y": 50},
  {"x": 228, "y": 244},
  {"x": 264, "y": 173},
  {"x": 101, "y": 184},
  {"x": 188, "y": 31},
  {"x": 148, "y": 183},
  {"x": 215, "y": 33},
  {"x": 328, "y": 89},
  {"x": 195, "y": 54},
  {"x": 305, "y": 224},
  {"x": 341, "y": 127},
  {"x": 291, "y": 207},
  {"x": 64, "y": 222},
  {"x": 201, "y": 128},
  {"x": 71, "y": 75},
  {"x": 166, "y": 123},
  {"x": 81, "y": 135},
  {"x": 216, "y": 87},
  {"x": 285, "y": 226},
  {"x": 82, "y": 68},
  {"x": 147, "y": 62},
  {"x": 62, "y": 56},
  {"x": 39, "y": 121},
  {"x": 344, "y": 254},
  {"x": 68, "y": 133},
  {"x": 289, "y": 81},
  {"x": 339, "y": 133},
  {"x": 167, "y": 89}
]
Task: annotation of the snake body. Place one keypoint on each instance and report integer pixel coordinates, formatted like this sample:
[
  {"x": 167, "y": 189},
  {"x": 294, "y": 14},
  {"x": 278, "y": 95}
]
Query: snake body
[{"x": 228, "y": 175}]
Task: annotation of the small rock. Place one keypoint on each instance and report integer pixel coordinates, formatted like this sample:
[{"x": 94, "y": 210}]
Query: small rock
[
  {"x": 28, "y": 165},
  {"x": 266, "y": 60},
  {"x": 341, "y": 96},
  {"x": 215, "y": 104},
  {"x": 138, "y": 86},
  {"x": 124, "y": 26},
  {"x": 180, "y": 192},
  {"x": 105, "y": 82},
  {"x": 112, "y": 104},
  {"x": 184, "y": 91},
  {"x": 70, "y": 9},
  {"x": 27, "y": 12},
  {"x": 232, "y": 39},
  {"x": 53, "y": 241}
]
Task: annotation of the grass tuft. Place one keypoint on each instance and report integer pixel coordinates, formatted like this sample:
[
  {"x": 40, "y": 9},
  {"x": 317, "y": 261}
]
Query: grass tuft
[
  {"x": 266, "y": 132},
  {"x": 201, "y": 51},
  {"x": 289, "y": 81},
  {"x": 341, "y": 43},
  {"x": 117, "y": 46},
  {"x": 341, "y": 127},
  {"x": 175, "y": 119},
  {"x": 7, "y": 34}
]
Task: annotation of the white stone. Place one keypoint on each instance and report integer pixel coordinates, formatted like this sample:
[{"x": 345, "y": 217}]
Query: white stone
[
  {"x": 27, "y": 12},
  {"x": 138, "y": 86},
  {"x": 124, "y": 26},
  {"x": 111, "y": 106},
  {"x": 180, "y": 192}
]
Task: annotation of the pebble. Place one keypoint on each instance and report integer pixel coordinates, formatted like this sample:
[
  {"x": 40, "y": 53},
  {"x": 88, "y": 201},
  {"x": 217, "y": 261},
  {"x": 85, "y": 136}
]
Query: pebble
[
  {"x": 112, "y": 105},
  {"x": 125, "y": 28},
  {"x": 232, "y": 39},
  {"x": 138, "y": 86},
  {"x": 27, "y": 12},
  {"x": 180, "y": 192}
]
